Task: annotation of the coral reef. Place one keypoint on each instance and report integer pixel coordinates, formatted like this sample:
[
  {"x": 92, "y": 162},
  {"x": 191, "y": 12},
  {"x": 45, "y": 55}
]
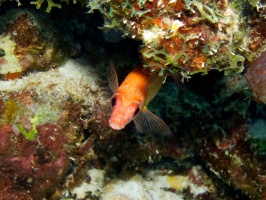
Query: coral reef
[
  {"x": 231, "y": 159},
  {"x": 182, "y": 36},
  {"x": 260, "y": 6},
  {"x": 26, "y": 47},
  {"x": 153, "y": 184},
  {"x": 41, "y": 128},
  {"x": 185, "y": 37},
  {"x": 27, "y": 165},
  {"x": 228, "y": 129},
  {"x": 54, "y": 100},
  {"x": 256, "y": 32}
]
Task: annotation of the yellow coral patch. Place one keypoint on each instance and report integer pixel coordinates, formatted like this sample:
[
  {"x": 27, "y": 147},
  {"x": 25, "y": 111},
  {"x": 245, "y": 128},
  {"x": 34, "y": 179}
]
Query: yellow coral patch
[
  {"x": 10, "y": 110},
  {"x": 11, "y": 64},
  {"x": 177, "y": 182}
]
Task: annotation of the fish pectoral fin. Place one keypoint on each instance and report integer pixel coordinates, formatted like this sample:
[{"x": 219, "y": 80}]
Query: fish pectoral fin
[
  {"x": 147, "y": 121},
  {"x": 112, "y": 78}
]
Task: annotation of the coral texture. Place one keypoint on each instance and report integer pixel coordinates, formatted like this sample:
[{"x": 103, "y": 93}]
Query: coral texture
[
  {"x": 56, "y": 142},
  {"x": 182, "y": 36},
  {"x": 232, "y": 160},
  {"x": 26, "y": 47},
  {"x": 27, "y": 164},
  {"x": 41, "y": 127}
]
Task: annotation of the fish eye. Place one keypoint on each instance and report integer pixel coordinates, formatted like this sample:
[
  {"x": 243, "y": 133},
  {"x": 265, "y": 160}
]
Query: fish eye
[
  {"x": 136, "y": 111},
  {"x": 113, "y": 101}
]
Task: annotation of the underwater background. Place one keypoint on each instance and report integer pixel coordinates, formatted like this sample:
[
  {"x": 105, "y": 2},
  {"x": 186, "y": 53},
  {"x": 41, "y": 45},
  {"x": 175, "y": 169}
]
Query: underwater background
[{"x": 55, "y": 138}]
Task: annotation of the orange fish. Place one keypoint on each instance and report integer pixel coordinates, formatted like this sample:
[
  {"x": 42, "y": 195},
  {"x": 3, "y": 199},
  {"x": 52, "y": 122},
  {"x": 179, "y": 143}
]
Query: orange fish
[{"x": 131, "y": 97}]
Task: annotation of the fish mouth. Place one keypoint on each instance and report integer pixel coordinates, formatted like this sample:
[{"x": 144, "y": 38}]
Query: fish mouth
[{"x": 115, "y": 126}]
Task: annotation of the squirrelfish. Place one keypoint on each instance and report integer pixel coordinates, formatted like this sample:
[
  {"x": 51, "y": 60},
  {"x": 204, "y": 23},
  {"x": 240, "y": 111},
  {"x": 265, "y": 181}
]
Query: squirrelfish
[{"x": 131, "y": 97}]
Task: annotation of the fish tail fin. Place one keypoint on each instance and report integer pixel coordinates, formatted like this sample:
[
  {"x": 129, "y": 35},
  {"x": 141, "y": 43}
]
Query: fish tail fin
[{"x": 147, "y": 121}]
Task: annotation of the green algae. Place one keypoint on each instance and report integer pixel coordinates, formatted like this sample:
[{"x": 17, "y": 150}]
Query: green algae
[
  {"x": 141, "y": 3},
  {"x": 30, "y": 135},
  {"x": 48, "y": 113},
  {"x": 96, "y": 5},
  {"x": 206, "y": 12},
  {"x": 254, "y": 3},
  {"x": 51, "y": 4}
]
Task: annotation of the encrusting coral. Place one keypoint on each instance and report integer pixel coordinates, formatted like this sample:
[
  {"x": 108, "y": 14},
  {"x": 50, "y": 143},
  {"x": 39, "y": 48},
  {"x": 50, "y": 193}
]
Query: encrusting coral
[
  {"x": 184, "y": 37},
  {"x": 41, "y": 126},
  {"x": 27, "y": 46},
  {"x": 26, "y": 166}
]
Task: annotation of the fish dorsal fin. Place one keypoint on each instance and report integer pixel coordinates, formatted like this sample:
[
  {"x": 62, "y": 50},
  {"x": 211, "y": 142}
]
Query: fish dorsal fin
[
  {"x": 155, "y": 84},
  {"x": 112, "y": 78},
  {"x": 147, "y": 121}
]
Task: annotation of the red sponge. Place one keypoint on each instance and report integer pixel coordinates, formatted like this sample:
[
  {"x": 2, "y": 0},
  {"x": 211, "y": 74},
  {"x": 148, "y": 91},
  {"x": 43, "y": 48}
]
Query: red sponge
[{"x": 256, "y": 77}]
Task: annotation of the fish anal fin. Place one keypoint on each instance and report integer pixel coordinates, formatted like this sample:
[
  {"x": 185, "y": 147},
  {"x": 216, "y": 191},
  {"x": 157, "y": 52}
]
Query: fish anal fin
[
  {"x": 112, "y": 78},
  {"x": 147, "y": 121}
]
